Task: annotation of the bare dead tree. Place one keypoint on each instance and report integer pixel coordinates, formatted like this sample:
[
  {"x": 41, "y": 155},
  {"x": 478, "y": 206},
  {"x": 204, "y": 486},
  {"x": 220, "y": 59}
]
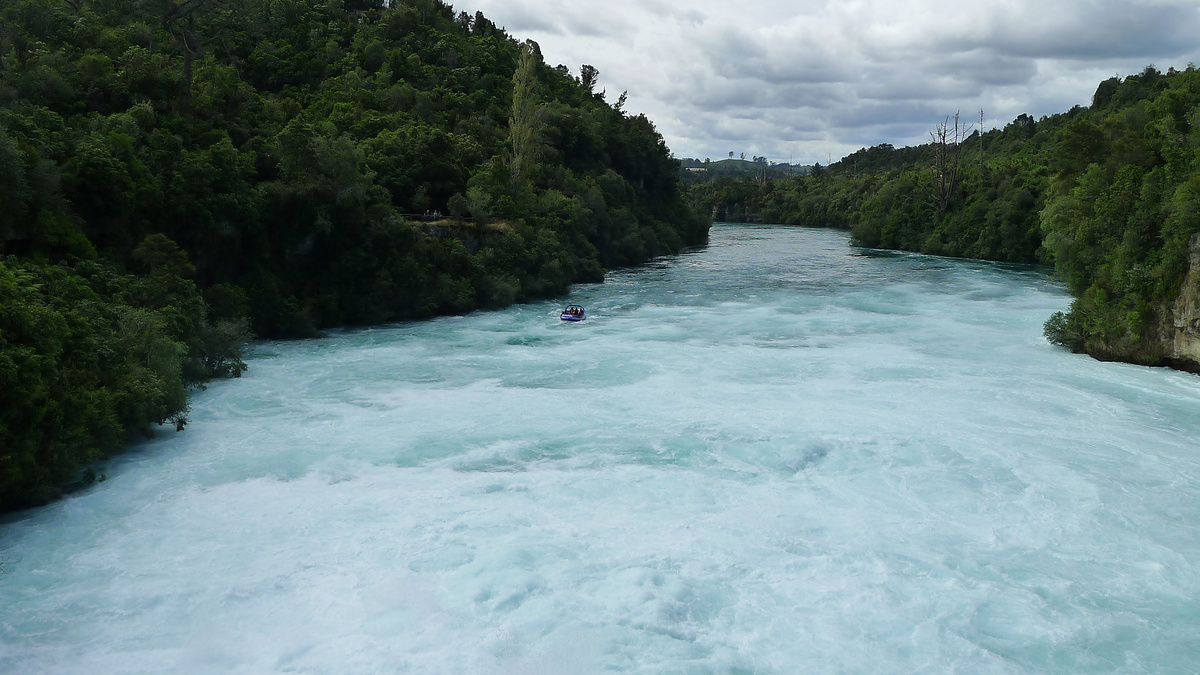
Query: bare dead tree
[{"x": 947, "y": 138}]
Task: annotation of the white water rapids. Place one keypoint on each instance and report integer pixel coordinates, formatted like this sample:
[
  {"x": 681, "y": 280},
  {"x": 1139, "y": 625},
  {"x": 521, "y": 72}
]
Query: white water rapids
[{"x": 776, "y": 454}]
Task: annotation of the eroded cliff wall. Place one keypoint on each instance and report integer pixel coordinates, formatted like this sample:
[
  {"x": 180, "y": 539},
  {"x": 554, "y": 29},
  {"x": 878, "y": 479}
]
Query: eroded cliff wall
[{"x": 1183, "y": 336}]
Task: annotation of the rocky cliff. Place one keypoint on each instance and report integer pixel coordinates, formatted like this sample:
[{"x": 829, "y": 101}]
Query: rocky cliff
[{"x": 1181, "y": 339}]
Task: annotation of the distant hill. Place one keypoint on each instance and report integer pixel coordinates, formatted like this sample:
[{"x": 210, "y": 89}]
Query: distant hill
[{"x": 704, "y": 171}]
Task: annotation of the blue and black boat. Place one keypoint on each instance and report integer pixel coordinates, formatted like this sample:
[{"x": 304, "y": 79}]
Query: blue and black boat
[{"x": 573, "y": 313}]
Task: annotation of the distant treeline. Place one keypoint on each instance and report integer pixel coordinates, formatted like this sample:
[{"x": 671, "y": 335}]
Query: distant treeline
[
  {"x": 176, "y": 175},
  {"x": 756, "y": 168},
  {"x": 1110, "y": 195}
]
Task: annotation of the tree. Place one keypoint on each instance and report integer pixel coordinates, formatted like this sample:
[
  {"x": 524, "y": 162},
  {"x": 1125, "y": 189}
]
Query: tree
[
  {"x": 275, "y": 146},
  {"x": 588, "y": 75},
  {"x": 479, "y": 203},
  {"x": 179, "y": 20},
  {"x": 458, "y": 206},
  {"x": 524, "y": 126},
  {"x": 946, "y": 144},
  {"x": 981, "y": 139}
]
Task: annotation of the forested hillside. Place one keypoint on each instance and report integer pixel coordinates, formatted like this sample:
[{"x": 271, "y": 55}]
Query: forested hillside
[
  {"x": 176, "y": 175},
  {"x": 1110, "y": 195}
]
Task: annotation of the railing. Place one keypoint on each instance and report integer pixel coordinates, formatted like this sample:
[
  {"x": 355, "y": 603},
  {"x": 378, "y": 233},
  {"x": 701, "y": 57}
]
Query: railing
[{"x": 428, "y": 216}]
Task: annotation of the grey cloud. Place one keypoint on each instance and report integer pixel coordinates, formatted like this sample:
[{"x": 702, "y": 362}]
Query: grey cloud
[
  {"x": 1104, "y": 29},
  {"x": 809, "y": 68},
  {"x": 992, "y": 69},
  {"x": 675, "y": 11},
  {"x": 520, "y": 19},
  {"x": 796, "y": 123},
  {"x": 659, "y": 8},
  {"x": 733, "y": 45},
  {"x": 951, "y": 76},
  {"x": 904, "y": 114},
  {"x": 736, "y": 54},
  {"x": 724, "y": 95},
  {"x": 597, "y": 25},
  {"x": 791, "y": 124},
  {"x": 825, "y": 97},
  {"x": 568, "y": 21}
]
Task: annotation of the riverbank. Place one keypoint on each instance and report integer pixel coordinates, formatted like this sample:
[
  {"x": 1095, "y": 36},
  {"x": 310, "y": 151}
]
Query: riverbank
[
  {"x": 1107, "y": 194},
  {"x": 167, "y": 193}
]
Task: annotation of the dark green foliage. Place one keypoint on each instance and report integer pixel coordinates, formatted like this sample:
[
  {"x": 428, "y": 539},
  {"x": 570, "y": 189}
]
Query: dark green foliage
[
  {"x": 85, "y": 358},
  {"x": 884, "y": 195},
  {"x": 1110, "y": 195},
  {"x": 1117, "y": 228},
  {"x": 187, "y": 171}
]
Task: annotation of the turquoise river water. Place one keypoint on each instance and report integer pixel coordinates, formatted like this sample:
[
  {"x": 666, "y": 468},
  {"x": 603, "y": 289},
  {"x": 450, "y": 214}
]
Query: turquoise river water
[{"x": 776, "y": 454}]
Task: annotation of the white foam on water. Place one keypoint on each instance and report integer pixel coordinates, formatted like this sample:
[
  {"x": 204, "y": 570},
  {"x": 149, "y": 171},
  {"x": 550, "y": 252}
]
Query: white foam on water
[{"x": 773, "y": 455}]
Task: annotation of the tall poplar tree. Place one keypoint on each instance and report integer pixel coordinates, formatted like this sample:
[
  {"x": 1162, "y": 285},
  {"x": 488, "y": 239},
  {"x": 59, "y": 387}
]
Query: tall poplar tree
[{"x": 524, "y": 126}]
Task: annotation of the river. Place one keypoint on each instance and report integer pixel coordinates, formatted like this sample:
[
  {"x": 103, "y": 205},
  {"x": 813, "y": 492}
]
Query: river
[{"x": 775, "y": 454}]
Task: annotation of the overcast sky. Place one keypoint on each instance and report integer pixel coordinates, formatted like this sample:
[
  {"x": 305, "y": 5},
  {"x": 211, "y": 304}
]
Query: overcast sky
[{"x": 814, "y": 79}]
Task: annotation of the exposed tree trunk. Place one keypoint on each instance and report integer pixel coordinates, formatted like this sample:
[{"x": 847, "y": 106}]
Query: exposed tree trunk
[
  {"x": 185, "y": 104},
  {"x": 179, "y": 21},
  {"x": 76, "y": 5}
]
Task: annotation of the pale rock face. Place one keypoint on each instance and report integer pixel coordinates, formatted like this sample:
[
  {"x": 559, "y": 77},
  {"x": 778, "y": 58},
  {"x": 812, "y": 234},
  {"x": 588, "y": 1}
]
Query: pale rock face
[{"x": 1186, "y": 313}]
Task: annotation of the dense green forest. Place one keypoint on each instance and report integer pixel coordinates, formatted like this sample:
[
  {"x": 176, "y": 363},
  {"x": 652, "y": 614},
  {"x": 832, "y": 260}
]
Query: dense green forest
[
  {"x": 177, "y": 175},
  {"x": 1109, "y": 195}
]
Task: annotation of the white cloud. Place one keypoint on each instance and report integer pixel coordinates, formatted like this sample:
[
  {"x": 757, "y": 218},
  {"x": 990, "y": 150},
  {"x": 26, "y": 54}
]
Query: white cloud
[{"x": 817, "y": 78}]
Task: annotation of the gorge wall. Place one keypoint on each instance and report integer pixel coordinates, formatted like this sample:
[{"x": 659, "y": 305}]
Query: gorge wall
[{"x": 1182, "y": 335}]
